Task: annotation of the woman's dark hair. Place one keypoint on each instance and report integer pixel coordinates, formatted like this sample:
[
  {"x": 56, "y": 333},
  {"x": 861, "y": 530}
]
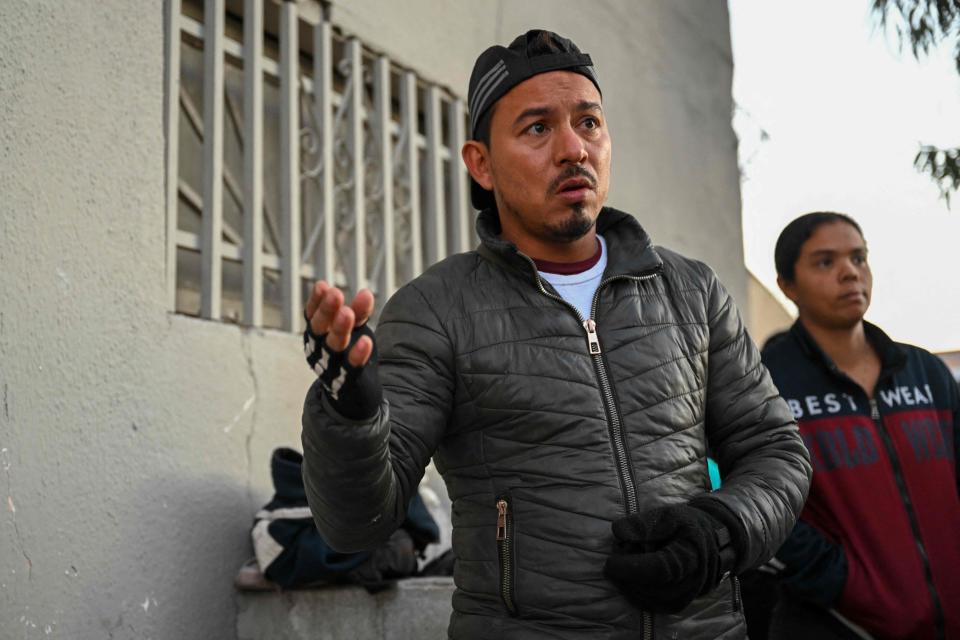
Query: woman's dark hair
[{"x": 799, "y": 231}]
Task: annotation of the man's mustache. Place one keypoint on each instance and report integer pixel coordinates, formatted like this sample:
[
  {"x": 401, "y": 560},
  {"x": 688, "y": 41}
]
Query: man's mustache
[{"x": 572, "y": 171}]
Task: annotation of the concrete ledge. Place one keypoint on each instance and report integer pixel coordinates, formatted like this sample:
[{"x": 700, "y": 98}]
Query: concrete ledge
[{"x": 416, "y": 608}]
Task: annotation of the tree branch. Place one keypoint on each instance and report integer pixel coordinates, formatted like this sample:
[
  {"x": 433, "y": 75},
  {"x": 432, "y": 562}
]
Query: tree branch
[{"x": 943, "y": 167}]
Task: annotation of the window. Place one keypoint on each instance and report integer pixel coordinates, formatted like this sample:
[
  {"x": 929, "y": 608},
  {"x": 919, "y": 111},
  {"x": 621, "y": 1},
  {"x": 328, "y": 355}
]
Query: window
[{"x": 296, "y": 153}]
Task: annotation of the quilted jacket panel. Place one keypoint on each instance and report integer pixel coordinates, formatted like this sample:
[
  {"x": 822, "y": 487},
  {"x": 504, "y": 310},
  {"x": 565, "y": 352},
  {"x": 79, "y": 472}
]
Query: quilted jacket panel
[{"x": 487, "y": 372}]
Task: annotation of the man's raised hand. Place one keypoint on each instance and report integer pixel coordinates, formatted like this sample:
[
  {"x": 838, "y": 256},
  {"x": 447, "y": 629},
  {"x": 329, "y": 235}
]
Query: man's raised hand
[
  {"x": 328, "y": 315},
  {"x": 340, "y": 349}
]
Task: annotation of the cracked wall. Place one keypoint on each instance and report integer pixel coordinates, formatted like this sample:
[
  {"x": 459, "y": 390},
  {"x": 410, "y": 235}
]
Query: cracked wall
[
  {"x": 127, "y": 501},
  {"x": 135, "y": 443}
]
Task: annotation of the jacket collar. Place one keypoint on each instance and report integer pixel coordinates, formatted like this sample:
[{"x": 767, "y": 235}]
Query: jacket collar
[
  {"x": 629, "y": 249},
  {"x": 892, "y": 356}
]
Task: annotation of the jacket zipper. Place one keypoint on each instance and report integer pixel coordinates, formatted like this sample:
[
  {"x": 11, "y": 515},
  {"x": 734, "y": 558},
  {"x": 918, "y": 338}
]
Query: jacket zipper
[
  {"x": 505, "y": 553},
  {"x": 911, "y": 514},
  {"x": 617, "y": 437}
]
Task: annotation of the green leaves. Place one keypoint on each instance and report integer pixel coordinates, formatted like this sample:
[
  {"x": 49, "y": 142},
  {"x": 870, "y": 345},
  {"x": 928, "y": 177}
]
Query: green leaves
[
  {"x": 943, "y": 167},
  {"x": 924, "y": 25}
]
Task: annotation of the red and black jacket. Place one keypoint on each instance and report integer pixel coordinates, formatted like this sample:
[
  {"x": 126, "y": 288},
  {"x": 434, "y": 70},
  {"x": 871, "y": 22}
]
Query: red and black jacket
[{"x": 879, "y": 537}]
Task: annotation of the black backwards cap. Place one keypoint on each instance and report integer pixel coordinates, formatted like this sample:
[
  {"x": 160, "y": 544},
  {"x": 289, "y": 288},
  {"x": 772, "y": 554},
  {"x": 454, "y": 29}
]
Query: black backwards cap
[{"x": 499, "y": 69}]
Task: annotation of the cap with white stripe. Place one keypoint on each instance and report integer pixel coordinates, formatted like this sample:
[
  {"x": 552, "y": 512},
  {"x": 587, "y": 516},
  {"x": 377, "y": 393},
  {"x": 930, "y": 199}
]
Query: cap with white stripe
[{"x": 499, "y": 69}]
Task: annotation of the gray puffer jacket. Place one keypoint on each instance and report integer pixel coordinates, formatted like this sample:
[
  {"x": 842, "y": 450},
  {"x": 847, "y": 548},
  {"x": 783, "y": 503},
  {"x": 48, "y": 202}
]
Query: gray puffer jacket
[{"x": 543, "y": 444}]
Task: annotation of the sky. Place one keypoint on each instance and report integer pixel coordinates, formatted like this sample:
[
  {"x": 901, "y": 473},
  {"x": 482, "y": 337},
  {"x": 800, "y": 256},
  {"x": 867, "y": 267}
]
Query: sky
[{"x": 844, "y": 113}]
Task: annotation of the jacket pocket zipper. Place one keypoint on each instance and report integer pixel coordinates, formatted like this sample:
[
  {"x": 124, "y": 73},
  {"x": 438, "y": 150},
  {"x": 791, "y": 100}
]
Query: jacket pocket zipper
[
  {"x": 735, "y": 584},
  {"x": 505, "y": 552}
]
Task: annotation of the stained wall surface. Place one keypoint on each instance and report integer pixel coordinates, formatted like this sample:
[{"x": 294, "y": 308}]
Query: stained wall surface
[{"x": 134, "y": 442}]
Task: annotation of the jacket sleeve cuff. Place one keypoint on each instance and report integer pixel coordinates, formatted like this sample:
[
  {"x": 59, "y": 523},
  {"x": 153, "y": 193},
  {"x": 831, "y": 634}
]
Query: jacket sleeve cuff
[
  {"x": 336, "y": 416},
  {"x": 731, "y": 535}
]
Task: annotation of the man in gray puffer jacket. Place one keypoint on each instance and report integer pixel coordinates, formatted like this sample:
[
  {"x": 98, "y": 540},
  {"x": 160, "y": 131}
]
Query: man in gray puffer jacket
[{"x": 568, "y": 379}]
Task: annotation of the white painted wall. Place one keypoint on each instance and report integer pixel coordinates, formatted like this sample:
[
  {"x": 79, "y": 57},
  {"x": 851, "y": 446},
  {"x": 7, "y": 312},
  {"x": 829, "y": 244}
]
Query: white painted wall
[{"x": 134, "y": 443}]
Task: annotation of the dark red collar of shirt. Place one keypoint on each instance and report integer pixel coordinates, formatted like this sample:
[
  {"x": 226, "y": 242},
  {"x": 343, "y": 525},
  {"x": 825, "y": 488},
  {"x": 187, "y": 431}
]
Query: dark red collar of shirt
[{"x": 569, "y": 268}]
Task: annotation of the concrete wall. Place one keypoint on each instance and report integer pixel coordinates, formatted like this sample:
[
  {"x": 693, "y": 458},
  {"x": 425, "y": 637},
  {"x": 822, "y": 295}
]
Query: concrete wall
[
  {"x": 134, "y": 443},
  {"x": 416, "y": 609},
  {"x": 764, "y": 312}
]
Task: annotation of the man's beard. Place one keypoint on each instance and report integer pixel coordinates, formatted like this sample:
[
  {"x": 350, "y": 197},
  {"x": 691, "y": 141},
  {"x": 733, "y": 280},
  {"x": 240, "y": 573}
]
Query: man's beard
[{"x": 571, "y": 228}]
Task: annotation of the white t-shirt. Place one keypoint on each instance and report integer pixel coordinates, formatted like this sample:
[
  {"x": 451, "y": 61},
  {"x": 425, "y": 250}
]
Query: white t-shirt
[{"x": 578, "y": 288}]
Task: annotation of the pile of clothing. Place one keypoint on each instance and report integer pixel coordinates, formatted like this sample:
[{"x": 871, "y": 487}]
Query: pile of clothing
[{"x": 290, "y": 553}]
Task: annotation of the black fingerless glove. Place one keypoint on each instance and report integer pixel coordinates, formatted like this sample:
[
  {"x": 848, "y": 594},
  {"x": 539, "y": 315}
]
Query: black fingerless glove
[
  {"x": 354, "y": 392},
  {"x": 666, "y": 557}
]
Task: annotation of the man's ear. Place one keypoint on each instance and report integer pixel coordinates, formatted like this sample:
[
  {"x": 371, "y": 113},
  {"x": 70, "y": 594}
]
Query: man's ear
[
  {"x": 477, "y": 158},
  {"x": 787, "y": 288}
]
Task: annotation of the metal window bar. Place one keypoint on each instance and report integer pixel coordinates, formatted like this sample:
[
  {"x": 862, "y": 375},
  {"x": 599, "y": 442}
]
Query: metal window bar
[
  {"x": 357, "y": 264},
  {"x": 385, "y": 268},
  {"x": 186, "y": 191},
  {"x": 211, "y": 251},
  {"x": 436, "y": 237},
  {"x": 411, "y": 158},
  {"x": 253, "y": 163},
  {"x": 171, "y": 130},
  {"x": 323, "y": 99},
  {"x": 459, "y": 219},
  {"x": 290, "y": 164},
  {"x": 392, "y": 235}
]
